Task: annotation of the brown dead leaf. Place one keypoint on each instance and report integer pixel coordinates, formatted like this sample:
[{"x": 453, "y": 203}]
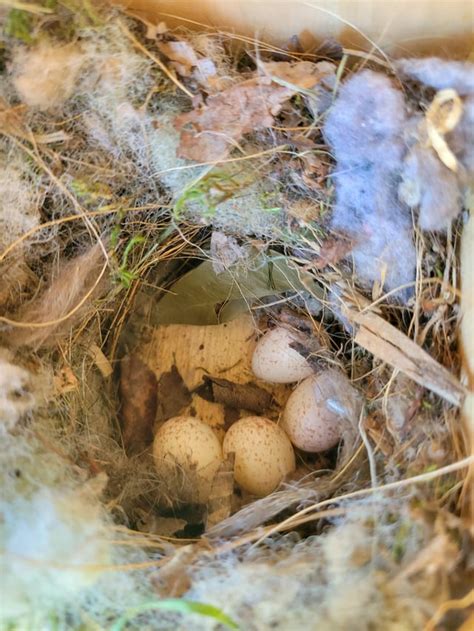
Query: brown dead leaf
[
  {"x": 65, "y": 380},
  {"x": 376, "y": 431},
  {"x": 188, "y": 63},
  {"x": 246, "y": 396},
  {"x": 208, "y": 133},
  {"x": 332, "y": 251},
  {"x": 304, "y": 210},
  {"x": 302, "y": 74},
  {"x": 153, "y": 30},
  {"x": 172, "y": 395},
  {"x": 231, "y": 416},
  {"x": 225, "y": 251},
  {"x": 138, "y": 393},
  {"x": 181, "y": 54},
  {"x": 315, "y": 171},
  {"x": 100, "y": 361},
  {"x": 216, "y": 127},
  {"x": 220, "y": 498},
  {"x": 292, "y": 45},
  {"x": 12, "y": 119},
  {"x": 173, "y": 580},
  {"x": 330, "y": 49},
  {"x": 157, "y": 525}
]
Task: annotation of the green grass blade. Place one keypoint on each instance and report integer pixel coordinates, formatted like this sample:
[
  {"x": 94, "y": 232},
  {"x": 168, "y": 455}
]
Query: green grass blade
[{"x": 178, "y": 605}]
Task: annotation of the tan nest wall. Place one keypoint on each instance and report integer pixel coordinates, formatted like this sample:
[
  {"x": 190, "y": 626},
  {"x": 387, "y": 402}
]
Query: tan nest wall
[{"x": 398, "y": 26}]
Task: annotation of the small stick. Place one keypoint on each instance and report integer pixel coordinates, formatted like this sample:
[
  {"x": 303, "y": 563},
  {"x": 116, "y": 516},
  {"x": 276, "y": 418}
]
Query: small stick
[{"x": 392, "y": 346}]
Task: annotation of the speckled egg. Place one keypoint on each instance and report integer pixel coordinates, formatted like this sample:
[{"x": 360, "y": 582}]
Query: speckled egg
[
  {"x": 187, "y": 443},
  {"x": 275, "y": 361},
  {"x": 318, "y": 410},
  {"x": 263, "y": 454}
]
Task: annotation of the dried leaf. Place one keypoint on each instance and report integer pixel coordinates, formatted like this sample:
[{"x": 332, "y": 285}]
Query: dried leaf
[
  {"x": 243, "y": 108},
  {"x": 12, "y": 119},
  {"x": 225, "y": 251},
  {"x": 153, "y": 30},
  {"x": 219, "y": 125},
  {"x": 65, "y": 380},
  {"x": 101, "y": 361},
  {"x": 400, "y": 404},
  {"x": 173, "y": 578},
  {"x": 304, "y": 210},
  {"x": 330, "y": 49},
  {"x": 246, "y": 396},
  {"x": 173, "y": 395},
  {"x": 138, "y": 392},
  {"x": 231, "y": 416},
  {"x": 203, "y": 297},
  {"x": 262, "y": 510},
  {"x": 332, "y": 251},
  {"x": 161, "y": 526},
  {"x": 315, "y": 171},
  {"x": 305, "y": 491},
  {"x": 220, "y": 498},
  {"x": 188, "y": 63},
  {"x": 182, "y": 54},
  {"x": 302, "y": 75}
]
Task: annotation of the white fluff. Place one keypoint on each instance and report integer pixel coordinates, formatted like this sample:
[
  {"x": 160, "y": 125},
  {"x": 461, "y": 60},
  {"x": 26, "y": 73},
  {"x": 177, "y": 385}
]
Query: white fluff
[
  {"x": 18, "y": 201},
  {"x": 16, "y": 397},
  {"x": 54, "y": 545}
]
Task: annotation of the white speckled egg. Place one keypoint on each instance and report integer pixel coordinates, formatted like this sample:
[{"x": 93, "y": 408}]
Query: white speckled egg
[
  {"x": 318, "y": 409},
  {"x": 275, "y": 361},
  {"x": 263, "y": 454},
  {"x": 187, "y": 443}
]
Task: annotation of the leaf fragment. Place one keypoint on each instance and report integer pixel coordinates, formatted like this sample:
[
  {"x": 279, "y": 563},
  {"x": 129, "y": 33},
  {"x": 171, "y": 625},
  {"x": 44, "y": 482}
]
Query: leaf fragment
[
  {"x": 203, "y": 297},
  {"x": 138, "y": 393},
  {"x": 173, "y": 395},
  {"x": 239, "y": 396},
  {"x": 209, "y": 132}
]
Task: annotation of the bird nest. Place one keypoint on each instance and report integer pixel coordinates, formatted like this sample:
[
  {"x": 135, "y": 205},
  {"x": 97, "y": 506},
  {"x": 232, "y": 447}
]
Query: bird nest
[{"x": 167, "y": 199}]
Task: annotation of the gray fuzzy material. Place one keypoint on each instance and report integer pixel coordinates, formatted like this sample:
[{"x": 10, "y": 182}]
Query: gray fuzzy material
[
  {"x": 365, "y": 130},
  {"x": 439, "y": 73},
  {"x": 430, "y": 185},
  {"x": 427, "y": 183}
]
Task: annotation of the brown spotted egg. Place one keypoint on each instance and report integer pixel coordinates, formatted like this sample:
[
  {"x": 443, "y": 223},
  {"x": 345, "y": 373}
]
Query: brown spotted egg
[
  {"x": 263, "y": 454},
  {"x": 187, "y": 443},
  {"x": 318, "y": 409}
]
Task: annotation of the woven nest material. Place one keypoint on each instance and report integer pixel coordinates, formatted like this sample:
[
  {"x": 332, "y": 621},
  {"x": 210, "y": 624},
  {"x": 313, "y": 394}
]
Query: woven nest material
[{"x": 165, "y": 201}]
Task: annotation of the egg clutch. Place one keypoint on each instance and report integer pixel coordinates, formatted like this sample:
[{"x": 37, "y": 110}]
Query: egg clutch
[{"x": 319, "y": 410}]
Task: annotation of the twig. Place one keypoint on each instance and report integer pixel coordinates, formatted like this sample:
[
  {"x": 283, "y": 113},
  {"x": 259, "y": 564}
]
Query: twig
[
  {"x": 457, "y": 603},
  {"x": 417, "y": 479},
  {"x": 392, "y": 346}
]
